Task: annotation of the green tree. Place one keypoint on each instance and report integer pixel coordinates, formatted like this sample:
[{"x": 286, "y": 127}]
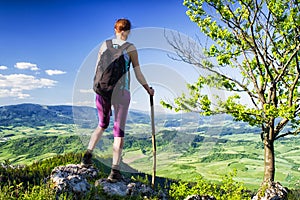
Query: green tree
[{"x": 259, "y": 39}]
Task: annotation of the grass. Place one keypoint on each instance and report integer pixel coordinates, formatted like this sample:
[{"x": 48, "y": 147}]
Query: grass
[
  {"x": 186, "y": 166},
  {"x": 26, "y": 144},
  {"x": 131, "y": 156},
  {"x": 176, "y": 159}
]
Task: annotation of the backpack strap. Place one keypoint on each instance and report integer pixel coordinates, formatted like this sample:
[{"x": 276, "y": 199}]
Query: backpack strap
[
  {"x": 109, "y": 44},
  {"x": 125, "y": 45}
]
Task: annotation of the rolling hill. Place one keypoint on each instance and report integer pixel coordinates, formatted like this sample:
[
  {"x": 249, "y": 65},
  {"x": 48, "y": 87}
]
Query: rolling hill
[{"x": 187, "y": 145}]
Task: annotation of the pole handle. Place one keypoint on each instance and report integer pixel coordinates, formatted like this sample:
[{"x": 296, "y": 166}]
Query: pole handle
[{"x": 151, "y": 99}]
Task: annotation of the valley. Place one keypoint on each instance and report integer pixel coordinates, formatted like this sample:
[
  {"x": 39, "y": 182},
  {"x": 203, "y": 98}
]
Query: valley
[{"x": 188, "y": 146}]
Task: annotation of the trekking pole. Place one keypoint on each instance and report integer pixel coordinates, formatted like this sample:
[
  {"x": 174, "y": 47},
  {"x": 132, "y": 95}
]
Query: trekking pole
[{"x": 153, "y": 140}]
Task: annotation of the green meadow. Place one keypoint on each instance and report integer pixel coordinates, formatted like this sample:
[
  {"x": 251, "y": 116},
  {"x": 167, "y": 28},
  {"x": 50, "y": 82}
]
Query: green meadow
[
  {"x": 212, "y": 160},
  {"x": 181, "y": 154}
]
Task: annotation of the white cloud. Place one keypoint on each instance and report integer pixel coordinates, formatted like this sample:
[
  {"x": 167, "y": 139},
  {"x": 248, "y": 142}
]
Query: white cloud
[
  {"x": 26, "y": 65},
  {"x": 14, "y": 85},
  {"x": 2, "y": 67},
  {"x": 51, "y": 72}
]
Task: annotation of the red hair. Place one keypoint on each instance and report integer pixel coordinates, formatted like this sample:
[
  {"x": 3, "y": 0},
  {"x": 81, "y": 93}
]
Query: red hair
[{"x": 122, "y": 25}]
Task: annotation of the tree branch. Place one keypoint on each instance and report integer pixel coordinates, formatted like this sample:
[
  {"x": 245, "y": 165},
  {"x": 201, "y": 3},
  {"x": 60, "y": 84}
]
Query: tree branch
[
  {"x": 280, "y": 126},
  {"x": 288, "y": 133},
  {"x": 233, "y": 25},
  {"x": 286, "y": 65}
]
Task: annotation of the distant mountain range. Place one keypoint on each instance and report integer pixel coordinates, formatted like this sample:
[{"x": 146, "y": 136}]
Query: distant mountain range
[
  {"x": 38, "y": 115},
  {"x": 33, "y": 115}
]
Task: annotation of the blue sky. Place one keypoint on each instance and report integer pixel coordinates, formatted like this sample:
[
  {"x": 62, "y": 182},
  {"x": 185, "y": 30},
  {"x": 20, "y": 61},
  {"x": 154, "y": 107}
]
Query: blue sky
[{"x": 46, "y": 45}]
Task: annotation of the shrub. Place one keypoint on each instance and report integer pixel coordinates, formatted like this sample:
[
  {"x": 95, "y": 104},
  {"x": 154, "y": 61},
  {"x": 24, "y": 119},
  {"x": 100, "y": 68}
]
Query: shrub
[
  {"x": 294, "y": 194},
  {"x": 228, "y": 189}
]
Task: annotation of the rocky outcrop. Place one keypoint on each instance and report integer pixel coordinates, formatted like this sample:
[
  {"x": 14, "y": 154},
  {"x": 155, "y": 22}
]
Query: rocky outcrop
[
  {"x": 271, "y": 191},
  {"x": 129, "y": 188},
  {"x": 72, "y": 179}
]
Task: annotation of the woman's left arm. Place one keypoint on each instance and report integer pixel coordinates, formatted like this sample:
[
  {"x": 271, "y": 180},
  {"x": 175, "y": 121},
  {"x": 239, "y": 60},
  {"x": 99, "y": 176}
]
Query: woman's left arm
[{"x": 137, "y": 69}]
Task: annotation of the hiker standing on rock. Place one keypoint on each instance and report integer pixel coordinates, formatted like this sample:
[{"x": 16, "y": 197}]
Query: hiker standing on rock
[{"x": 114, "y": 93}]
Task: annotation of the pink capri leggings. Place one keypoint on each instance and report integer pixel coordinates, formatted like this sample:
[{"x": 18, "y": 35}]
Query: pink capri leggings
[{"x": 120, "y": 101}]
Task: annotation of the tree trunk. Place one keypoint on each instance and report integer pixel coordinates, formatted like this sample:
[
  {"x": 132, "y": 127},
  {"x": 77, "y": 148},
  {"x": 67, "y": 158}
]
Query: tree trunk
[{"x": 269, "y": 173}]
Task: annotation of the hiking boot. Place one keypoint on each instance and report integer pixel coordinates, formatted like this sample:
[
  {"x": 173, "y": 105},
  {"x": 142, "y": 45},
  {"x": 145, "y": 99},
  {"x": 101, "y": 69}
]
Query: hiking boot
[
  {"x": 87, "y": 159},
  {"x": 115, "y": 176}
]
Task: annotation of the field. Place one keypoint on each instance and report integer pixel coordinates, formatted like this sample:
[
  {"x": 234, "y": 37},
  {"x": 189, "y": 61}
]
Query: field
[
  {"x": 187, "y": 147},
  {"x": 214, "y": 160},
  {"x": 211, "y": 157},
  {"x": 24, "y": 145}
]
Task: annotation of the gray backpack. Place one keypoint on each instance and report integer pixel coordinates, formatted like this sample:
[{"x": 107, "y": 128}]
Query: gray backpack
[{"x": 110, "y": 68}]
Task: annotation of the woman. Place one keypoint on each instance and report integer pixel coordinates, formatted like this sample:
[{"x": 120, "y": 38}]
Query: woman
[{"x": 120, "y": 101}]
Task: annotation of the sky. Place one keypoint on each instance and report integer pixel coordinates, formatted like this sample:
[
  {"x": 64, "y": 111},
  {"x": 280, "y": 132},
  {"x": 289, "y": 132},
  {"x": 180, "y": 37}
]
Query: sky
[{"x": 48, "y": 48}]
